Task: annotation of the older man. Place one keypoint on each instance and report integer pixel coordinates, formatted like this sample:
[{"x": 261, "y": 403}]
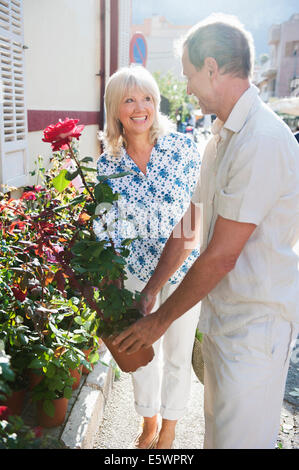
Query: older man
[{"x": 247, "y": 273}]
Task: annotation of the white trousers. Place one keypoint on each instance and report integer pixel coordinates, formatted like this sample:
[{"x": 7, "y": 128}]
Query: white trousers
[
  {"x": 245, "y": 376},
  {"x": 163, "y": 386}
]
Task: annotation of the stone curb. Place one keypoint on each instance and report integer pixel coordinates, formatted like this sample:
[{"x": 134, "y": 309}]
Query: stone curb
[{"x": 87, "y": 413}]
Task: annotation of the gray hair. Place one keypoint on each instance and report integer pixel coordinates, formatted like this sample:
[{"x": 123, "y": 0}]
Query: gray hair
[
  {"x": 224, "y": 38},
  {"x": 121, "y": 82}
]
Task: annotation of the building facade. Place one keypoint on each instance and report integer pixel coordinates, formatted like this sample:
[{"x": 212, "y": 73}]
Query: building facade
[
  {"x": 280, "y": 76},
  {"x": 162, "y": 39},
  {"x": 55, "y": 59}
]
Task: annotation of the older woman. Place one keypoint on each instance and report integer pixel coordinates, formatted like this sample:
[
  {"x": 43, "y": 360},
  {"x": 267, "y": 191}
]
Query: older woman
[{"x": 164, "y": 168}]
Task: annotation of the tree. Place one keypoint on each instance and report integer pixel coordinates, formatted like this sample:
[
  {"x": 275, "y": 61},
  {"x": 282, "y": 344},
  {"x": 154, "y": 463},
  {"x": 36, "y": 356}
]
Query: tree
[{"x": 176, "y": 93}]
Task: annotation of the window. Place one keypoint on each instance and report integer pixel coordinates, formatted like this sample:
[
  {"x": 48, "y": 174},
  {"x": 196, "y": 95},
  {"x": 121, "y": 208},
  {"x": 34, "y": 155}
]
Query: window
[
  {"x": 13, "y": 122},
  {"x": 292, "y": 48}
]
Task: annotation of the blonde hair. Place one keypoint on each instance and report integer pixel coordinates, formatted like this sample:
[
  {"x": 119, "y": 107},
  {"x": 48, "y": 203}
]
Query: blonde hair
[{"x": 119, "y": 84}]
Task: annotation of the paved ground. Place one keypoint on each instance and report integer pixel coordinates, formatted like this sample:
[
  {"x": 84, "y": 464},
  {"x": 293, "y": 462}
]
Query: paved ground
[{"x": 121, "y": 423}]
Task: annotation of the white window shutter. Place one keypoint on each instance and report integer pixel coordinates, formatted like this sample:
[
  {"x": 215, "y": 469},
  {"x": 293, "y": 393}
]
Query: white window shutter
[
  {"x": 125, "y": 13},
  {"x": 13, "y": 119}
]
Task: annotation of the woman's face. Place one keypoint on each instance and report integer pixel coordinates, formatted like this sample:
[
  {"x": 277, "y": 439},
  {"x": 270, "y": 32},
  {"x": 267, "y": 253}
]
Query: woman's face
[{"x": 136, "y": 112}]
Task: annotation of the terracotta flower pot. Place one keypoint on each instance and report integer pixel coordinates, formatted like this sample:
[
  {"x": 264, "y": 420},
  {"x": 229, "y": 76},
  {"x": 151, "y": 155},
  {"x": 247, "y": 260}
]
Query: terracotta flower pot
[
  {"x": 15, "y": 401},
  {"x": 76, "y": 373},
  {"x": 86, "y": 353},
  {"x": 46, "y": 421},
  {"x": 130, "y": 362},
  {"x": 34, "y": 379}
]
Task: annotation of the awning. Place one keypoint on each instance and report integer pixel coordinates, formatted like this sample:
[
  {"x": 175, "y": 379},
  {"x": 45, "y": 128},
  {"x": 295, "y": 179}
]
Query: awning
[{"x": 286, "y": 106}]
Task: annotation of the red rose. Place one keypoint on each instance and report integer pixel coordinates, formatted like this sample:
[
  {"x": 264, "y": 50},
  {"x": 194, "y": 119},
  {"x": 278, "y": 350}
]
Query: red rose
[
  {"x": 4, "y": 412},
  {"x": 61, "y": 134},
  {"x": 29, "y": 196}
]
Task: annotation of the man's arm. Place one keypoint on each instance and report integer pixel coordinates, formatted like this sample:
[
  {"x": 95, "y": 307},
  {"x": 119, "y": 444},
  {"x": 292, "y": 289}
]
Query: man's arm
[
  {"x": 209, "y": 269},
  {"x": 183, "y": 239}
]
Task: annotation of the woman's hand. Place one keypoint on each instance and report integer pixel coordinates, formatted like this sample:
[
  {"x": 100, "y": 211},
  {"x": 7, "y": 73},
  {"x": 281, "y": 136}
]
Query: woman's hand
[{"x": 146, "y": 302}]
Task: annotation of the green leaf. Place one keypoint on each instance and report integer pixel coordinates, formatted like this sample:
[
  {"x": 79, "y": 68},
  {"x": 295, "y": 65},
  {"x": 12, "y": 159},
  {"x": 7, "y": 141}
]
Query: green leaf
[
  {"x": 60, "y": 182},
  {"x": 6, "y": 372},
  {"x": 81, "y": 270},
  {"x": 23, "y": 339},
  {"x": 87, "y": 168},
  {"x": 78, "y": 338},
  {"x": 102, "y": 178},
  {"x": 51, "y": 370},
  {"x": 103, "y": 193},
  {"x": 71, "y": 359},
  {"x": 36, "y": 364},
  {"x": 86, "y": 160},
  {"x": 198, "y": 335},
  {"x": 49, "y": 408},
  {"x": 71, "y": 176},
  {"x": 93, "y": 357},
  {"x": 79, "y": 247},
  {"x": 67, "y": 392}
]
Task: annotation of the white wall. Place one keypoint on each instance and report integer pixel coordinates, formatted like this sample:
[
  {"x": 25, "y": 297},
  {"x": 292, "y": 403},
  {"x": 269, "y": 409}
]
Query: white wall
[
  {"x": 63, "y": 58},
  {"x": 61, "y": 63}
]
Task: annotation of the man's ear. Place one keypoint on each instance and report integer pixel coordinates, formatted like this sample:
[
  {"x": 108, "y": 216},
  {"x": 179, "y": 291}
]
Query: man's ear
[{"x": 212, "y": 66}]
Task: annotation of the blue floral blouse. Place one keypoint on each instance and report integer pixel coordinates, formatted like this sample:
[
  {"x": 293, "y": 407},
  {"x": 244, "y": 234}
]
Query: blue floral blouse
[{"x": 151, "y": 205}]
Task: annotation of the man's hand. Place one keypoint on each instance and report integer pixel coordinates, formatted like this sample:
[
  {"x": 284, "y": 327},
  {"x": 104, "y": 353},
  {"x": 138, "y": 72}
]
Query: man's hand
[{"x": 142, "y": 334}]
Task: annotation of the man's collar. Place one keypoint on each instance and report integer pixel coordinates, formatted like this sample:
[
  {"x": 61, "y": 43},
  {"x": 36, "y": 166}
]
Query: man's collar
[{"x": 239, "y": 114}]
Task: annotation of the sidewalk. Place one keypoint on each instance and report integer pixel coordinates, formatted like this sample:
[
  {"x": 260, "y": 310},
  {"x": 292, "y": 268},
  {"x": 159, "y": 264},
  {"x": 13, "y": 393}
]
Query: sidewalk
[
  {"x": 121, "y": 423},
  {"x": 101, "y": 413}
]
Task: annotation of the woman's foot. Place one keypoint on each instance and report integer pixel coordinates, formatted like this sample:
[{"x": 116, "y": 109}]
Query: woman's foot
[
  {"x": 167, "y": 434},
  {"x": 149, "y": 434}
]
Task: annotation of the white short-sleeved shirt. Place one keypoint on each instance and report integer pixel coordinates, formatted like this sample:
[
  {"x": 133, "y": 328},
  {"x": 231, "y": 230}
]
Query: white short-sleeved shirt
[
  {"x": 151, "y": 205},
  {"x": 250, "y": 173}
]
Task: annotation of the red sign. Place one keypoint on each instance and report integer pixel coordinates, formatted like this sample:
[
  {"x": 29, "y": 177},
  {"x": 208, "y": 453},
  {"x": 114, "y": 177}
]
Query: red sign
[{"x": 138, "y": 49}]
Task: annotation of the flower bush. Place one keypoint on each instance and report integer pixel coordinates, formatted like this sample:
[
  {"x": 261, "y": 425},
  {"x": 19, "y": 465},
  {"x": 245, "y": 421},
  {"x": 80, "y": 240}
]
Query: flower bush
[
  {"x": 61, "y": 288},
  {"x": 94, "y": 268}
]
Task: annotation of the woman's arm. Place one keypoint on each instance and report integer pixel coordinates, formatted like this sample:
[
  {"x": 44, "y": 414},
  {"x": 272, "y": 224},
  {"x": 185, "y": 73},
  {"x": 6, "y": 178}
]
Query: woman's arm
[{"x": 183, "y": 239}]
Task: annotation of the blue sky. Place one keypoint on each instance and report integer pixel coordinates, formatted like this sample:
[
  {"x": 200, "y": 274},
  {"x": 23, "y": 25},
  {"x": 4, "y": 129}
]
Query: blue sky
[{"x": 256, "y": 15}]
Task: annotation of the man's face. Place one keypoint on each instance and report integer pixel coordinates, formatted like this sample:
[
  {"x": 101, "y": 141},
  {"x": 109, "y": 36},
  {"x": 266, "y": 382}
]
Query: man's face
[{"x": 199, "y": 83}]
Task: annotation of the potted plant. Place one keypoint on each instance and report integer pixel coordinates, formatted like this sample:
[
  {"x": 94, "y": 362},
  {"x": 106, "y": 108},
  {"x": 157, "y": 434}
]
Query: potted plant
[
  {"x": 59, "y": 358},
  {"x": 55, "y": 389},
  {"x": 17, "y": 339},
  {"x": 14, "y": 433},
  {"x": 82, "y": 325},
  {"x": 94, "y": 268}
]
